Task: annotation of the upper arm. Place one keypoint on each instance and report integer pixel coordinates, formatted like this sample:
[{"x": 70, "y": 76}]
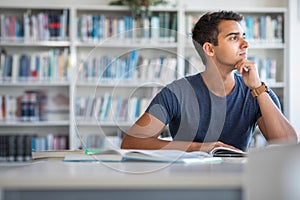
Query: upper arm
[
  {"x": 144, "y": 133},
  {"x": 146, "y": 126}
]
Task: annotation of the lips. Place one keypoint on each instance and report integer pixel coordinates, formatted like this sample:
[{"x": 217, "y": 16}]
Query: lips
[{"x": 243, "y": 54}]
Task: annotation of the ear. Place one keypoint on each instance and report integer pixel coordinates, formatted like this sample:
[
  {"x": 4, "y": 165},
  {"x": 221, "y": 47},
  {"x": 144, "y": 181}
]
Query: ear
[{"x": 208, "y": 49}]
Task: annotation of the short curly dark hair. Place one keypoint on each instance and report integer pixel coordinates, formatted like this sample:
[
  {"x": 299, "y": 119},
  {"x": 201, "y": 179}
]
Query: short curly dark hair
[{"x": 206, "y": 29}]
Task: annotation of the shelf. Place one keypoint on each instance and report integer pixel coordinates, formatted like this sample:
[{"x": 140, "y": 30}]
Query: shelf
[
  {"x": 276, "y": 85},
  {"x": 262, "y": 10},
  {"x": 21, "y": 43},
  {"x": 93, "y": 122},
  {"x": 128, "y": 43},
  {"x": 34, "y": 124},
  {"x": 121, "y": 83},
  {"x": 33, "y": 5},
  {"x": 266, "y": 46},
  {"x": 166, "y": 8},
  {"x": 113, "y": 45},
  {"x": 35, "y": 84}
]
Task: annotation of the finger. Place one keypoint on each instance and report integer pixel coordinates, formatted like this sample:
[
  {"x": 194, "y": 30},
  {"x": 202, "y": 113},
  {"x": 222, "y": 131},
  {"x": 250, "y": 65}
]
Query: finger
[
  {"x": 245, "y": 66},
  {"x": 239, "y": 66}
]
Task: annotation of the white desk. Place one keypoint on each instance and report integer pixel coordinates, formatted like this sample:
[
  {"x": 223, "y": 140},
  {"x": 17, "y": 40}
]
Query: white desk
[{"x": 54, "y": 179}]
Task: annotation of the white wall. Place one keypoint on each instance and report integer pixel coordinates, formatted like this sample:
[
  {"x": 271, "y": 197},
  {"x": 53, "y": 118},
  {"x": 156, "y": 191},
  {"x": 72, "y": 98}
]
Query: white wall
[{"x": 294, "y": 64}]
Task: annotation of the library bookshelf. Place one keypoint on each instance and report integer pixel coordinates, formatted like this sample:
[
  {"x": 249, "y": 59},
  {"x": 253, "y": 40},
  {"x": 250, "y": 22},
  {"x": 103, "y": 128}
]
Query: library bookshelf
[{"x": 105, "y": 70}]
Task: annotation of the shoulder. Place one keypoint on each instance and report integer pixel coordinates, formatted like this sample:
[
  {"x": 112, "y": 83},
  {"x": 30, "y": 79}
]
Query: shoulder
[
  {"x": 185, "y": 82},
  {"x": 184, "y": 86}
]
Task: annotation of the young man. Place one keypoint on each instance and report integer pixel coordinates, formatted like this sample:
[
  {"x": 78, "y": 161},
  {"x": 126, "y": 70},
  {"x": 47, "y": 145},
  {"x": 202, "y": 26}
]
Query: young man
[{"x": 219, "y": 107}]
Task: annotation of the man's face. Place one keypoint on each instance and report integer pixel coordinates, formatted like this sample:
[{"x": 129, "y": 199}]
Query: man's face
[{"x": 232, "y": 46}]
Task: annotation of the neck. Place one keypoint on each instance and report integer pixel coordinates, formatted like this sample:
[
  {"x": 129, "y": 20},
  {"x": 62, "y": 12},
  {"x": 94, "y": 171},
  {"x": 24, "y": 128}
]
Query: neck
[{"x": 218, "y": 81}]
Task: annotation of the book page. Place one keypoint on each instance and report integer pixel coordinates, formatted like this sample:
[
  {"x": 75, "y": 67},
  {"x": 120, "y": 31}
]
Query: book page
[{"x": 227, "y": 152}]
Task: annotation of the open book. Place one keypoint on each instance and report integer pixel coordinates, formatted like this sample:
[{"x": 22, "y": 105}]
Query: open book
[
  {"x": 227, "y": 152},
  {"x": 118, "y": 155}
]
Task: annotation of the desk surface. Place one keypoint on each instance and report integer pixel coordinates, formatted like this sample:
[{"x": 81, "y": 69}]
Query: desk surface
[{"x": 54, "y": 174}]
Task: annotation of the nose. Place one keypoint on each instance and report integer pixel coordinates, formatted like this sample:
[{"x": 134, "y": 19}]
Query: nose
[{"x": 245, "y": 44}]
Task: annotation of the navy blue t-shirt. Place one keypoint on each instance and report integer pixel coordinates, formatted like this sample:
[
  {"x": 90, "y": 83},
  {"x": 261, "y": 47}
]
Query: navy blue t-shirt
[{"x": 193, "y": 113}]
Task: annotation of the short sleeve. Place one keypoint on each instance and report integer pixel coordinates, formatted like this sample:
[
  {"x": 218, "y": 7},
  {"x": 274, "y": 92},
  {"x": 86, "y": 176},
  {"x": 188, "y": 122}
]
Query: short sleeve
[{"x": 164, "y": 105}]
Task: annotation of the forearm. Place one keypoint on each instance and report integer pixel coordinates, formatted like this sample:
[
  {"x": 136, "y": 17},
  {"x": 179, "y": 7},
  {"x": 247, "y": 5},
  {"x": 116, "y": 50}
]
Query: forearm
[
  {"x": 275, "y": 125},
  {"x": 130, "y": 142},
  {"x": 151, "y": 143}
]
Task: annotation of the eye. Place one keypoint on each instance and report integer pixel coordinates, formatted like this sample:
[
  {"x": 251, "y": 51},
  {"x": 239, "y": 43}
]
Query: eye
[{"x": 233, "y": 38}]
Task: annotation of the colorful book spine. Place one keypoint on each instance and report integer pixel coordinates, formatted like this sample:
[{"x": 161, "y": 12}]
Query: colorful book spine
[
  {"x": 258, "y": 28},
  {"x": 160, "y": 28},
  {"x": 267, "y": 68},
  {"x": 131, "y": 66},
  {"x": 53, "y": 65},
  {"x": 43, "y": 26},
  {"x": 107, "y": 108},
  {"x": 28, "y": 107}
]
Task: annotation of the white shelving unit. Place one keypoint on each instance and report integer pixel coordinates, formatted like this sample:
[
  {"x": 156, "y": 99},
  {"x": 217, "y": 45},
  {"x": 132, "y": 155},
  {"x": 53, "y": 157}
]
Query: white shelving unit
[
  {"x": 79, "y": 126},
  {"x": 117, "y": 48},
  {"x": 41, "y": 45}
]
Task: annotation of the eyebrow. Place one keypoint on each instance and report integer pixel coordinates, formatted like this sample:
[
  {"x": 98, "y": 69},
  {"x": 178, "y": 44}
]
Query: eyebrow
[{"x": 234, "y": 33}]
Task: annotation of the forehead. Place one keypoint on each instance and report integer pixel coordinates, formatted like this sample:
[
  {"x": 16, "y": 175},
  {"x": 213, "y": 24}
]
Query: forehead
[{"x": 229, "y": 26}]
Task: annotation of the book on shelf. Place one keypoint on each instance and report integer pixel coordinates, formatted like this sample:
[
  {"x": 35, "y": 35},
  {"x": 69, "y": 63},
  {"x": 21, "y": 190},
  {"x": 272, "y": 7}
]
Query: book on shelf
[
  {"x": 25, "y": 147},
  {"x": 258, "y": 28},
  {"x": 131, "y": 66},
  {"x": 160, "y": 28},
  {"x": 42, "y": 66},
  {"x": 26, "y": 107},
  {"x": 110, "y": 108},
  {"x": 15, "y": 148},
  {"x": 267, "y": 68},
  {"x": 49, "y": 142},
  {"x": 34, "y": 106},
  {"x": 123, "y": 155},
  {"x": 43, "y": 26}
]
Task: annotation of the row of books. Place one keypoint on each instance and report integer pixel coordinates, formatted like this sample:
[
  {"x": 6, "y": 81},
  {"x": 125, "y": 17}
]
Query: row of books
[
  {"x": 44, "y": 26},
  {"x": 193, "y": 65},
  {"x": 161, "y": 27},
  {"x": 15, "y": 148},
  {"x": 258, "y": 29},
  {"x": 29, "y": 106},
  {"x": 109, "y": 108},
  {"x": 100, "y": 141},
  {"x": 264, "y": 28},
  {"x": 50, "y": 142},
  {"x": 267, "y": 68},
  {"x": 53, "y": 65},
  {"x": 34, "y": 105},
  {"x": 129, "y": 66}
]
